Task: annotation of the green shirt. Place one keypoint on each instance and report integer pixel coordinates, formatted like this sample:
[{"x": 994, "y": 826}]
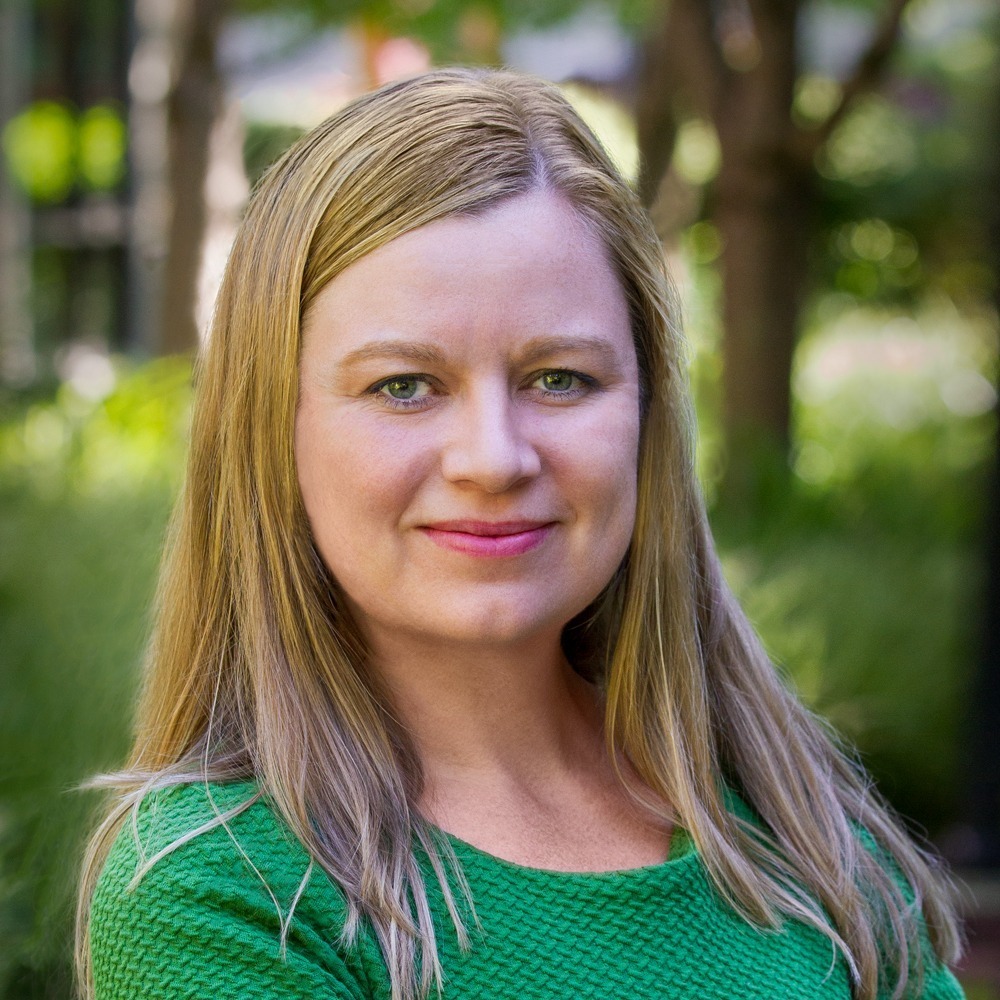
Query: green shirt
[{"x": 205, "y": 922}]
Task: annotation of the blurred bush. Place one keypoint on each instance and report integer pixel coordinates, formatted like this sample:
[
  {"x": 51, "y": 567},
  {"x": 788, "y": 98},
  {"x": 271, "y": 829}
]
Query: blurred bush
[
  {"x": 86, "y": 480},
  {"x": 861, "y": 562}
]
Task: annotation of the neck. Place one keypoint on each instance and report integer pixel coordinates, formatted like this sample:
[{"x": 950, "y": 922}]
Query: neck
[
  {"x": 513, "y": 758},
  {"x": 513, "y": 713}
]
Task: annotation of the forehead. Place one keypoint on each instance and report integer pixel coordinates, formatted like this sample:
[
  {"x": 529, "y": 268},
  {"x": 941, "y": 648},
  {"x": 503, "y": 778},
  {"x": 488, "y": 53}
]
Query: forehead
[{"x": 529, "y": 264}]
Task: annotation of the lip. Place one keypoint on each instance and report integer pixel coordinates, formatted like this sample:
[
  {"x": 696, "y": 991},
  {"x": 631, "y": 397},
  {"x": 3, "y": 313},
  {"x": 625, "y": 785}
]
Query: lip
[{"x": 488, "y": 539}]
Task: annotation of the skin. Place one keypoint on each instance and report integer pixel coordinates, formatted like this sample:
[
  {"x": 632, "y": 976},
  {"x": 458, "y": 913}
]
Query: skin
[{"x": 466, "y": 444}]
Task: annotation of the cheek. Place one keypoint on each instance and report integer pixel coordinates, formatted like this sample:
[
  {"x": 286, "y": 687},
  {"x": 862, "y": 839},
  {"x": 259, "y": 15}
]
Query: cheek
[
  {"x": 604, "y": 458},
  {"x": 351, "y": 478},
  {"x": 619, "y": 480},
  {"x": 331, "y": 478}
]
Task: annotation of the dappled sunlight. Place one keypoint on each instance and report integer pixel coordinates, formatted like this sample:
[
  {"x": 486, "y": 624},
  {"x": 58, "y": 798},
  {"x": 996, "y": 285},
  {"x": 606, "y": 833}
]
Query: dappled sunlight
[
  {"x": 110, "y": 430},
  {"x": 872, "y": 145},
  {"x": 876, "y": 376},
  {"x": 611, "y": 123}
]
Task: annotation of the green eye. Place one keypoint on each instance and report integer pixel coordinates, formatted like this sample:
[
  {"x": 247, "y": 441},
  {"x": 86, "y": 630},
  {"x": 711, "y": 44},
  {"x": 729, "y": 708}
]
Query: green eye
[
  {"x": 557, "y": 381},
  {"x": 403, "y": 391},
  {"x": 402, "y": 388}
]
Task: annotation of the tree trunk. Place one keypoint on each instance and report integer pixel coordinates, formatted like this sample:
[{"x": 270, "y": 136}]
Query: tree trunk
[
  {"x": 764, "y": 219},
  {"x": 194, "y": 104},
  {"x": 18, "y": 361},
  {"x": 734, "y": 63},
  {"x": 763, "y": 213},
  {"x": 656, "y": 124}
]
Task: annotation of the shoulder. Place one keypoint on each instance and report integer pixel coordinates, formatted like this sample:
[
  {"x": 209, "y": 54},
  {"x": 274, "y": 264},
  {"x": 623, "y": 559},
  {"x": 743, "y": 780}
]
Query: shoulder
[
  {"x": 880, "y": 874},
  {"x": 931, "y": 979},
  {"x": 198, "y": 833},
  {"x": 206, "y": 891}
]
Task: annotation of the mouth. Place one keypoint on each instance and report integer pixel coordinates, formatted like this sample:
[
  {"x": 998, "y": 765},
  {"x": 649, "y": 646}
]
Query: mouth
[{"x": 496, "y": 539}]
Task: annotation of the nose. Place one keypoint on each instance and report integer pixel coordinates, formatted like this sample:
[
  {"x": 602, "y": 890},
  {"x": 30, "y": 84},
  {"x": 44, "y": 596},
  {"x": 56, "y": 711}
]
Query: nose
[{"x": 489, "y": 445}]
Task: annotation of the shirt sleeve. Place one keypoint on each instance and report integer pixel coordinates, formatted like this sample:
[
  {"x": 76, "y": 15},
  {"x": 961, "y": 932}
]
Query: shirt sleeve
[
  {"x": 203, "y": 922},
  {"x": 939, "y": 983}
]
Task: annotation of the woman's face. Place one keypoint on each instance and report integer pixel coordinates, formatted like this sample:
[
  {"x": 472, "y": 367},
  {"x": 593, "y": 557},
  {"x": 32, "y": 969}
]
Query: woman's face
[{"x": 468, "y": 427}]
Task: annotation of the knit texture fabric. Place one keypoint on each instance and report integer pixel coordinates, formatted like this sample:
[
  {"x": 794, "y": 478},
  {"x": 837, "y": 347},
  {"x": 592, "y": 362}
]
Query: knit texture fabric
[{"x": 205, "y": 921}]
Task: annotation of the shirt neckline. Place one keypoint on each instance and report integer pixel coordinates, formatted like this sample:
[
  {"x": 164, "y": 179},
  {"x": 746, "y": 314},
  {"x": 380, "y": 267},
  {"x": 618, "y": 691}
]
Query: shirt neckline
[{"x": 681, "y": 849}]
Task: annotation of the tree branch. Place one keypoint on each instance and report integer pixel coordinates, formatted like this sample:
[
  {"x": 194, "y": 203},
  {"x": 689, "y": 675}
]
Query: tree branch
[
  {"x": 689, "y": 42},
  {"x": 679, "y": 54},
  {"x": 866, "y": 76}
]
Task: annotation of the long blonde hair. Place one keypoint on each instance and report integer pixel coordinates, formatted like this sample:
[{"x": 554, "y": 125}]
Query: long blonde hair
[{"x": 256, "y": 670}]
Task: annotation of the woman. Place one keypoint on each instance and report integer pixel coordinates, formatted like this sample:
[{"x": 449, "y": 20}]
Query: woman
[{"x": 442, "y": 638}]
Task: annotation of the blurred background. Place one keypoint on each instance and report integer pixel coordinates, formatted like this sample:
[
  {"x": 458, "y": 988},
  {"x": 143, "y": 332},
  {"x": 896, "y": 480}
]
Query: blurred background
[{"x": 824, "y": 175}]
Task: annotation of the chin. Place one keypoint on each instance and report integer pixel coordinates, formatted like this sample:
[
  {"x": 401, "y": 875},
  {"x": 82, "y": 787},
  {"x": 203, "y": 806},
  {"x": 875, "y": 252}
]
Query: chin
[
  {"x": 499, "y": 629},
  {"x": 494, "y": 622}
]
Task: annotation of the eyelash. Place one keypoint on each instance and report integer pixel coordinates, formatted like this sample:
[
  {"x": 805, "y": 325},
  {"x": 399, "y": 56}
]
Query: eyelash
[{"x": 587, "y": 383}]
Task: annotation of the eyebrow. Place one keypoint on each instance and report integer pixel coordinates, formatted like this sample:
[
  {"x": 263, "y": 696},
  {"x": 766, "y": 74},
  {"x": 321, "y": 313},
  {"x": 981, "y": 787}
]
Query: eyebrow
[
  {"x": 412, "y": 351},
  {"x": 541, "y": 347},
  {"x": 534, "y": 350}
]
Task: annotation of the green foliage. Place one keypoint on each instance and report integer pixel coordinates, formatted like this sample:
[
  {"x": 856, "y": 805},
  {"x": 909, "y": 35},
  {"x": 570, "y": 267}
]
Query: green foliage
[
  {"x": 75, "y": 584},
  {"x": 40, "y": 146},
  {"x": 263, "y": 144},
  {"x": 453, "y": 30},
  {"x": 51, "y": 151},
  {"x": 102, "y": 140},
  {"x": 85, "y": 486},
  {"x": 868, "y": 593},
  {"x": 108, "y": 431},
  {"x": 860, "y": 563},
  {"x": 903, "y": 195}
]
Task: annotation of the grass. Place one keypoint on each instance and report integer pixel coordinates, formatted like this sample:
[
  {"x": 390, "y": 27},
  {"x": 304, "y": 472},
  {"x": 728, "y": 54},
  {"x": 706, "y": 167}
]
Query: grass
[{"x": 85, "y": 489}]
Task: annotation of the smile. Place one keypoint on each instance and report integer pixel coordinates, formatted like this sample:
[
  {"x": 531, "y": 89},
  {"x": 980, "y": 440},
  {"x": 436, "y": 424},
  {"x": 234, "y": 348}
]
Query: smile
[{"x": 489, "y": 539}]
